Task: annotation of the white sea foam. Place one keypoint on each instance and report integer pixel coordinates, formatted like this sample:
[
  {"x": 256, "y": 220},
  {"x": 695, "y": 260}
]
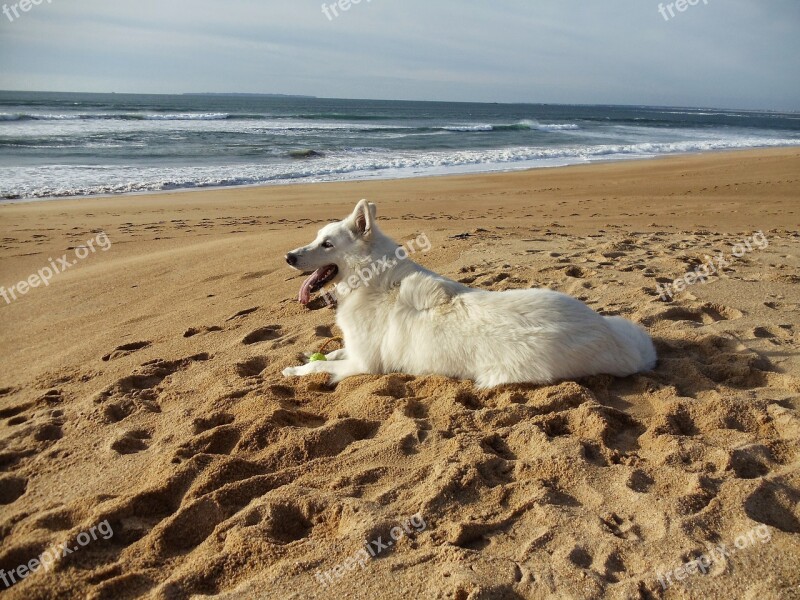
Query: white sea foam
[
  {"x": 468, "y": 128},
  {"x": 530, "y": 124},
  {"x": 74, "y": 180}
]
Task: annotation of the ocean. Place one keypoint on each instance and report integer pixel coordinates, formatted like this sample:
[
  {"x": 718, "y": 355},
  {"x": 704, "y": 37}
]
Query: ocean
[{"x": 66, "y": 144}]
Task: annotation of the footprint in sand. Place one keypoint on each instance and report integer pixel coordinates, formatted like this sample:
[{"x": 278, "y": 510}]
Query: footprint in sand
[
  {"x": 139, "y": 390},
  {"x": 12, "y": 488},
  {"x": 220, "y": 439},
  {"x": 115, "y": 412},
  {"x": 203, "y": 424},
  {"x": 282, "y": 391},
  {"x": 252, "y": 367},
  {"x": 13, "y": 411},
  {"x": 52, "y": 397},
  {"x": 704, "y": 314},
  {"x": 773, "y": 334},
  {"x": 288, "y": 522},
  {"x": 192, "y": 331},
  {"x": 125, "y": 350},
  {"x": 620, "y": 527},
  {"x": 580, "y": 557},
  {"x": 131, "y": 442},
  {"x": 49, "y": 432},
  {"x": 58, "y": 519},
  {"x": 263, "y": 334},
  {"x": 780, "y": 306},
  {"x": 242, "y": 313},
  {"x": 255, "y": 275},
  {"x": 640, "y": 481},
  {"x": 751, "y": 461},
  {"x": 776, "y": 503},
  {"x": 496, "y": 278},
  {"x": 323, "y": 331}
]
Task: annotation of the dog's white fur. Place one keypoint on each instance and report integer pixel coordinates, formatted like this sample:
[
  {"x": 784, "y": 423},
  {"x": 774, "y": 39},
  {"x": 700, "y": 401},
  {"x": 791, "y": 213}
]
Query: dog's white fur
[{"x": 411, "y": 320}]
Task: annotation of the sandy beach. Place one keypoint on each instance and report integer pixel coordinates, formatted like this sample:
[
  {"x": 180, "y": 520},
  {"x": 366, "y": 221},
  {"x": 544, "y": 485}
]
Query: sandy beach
[{"x": 150, "y": 446}]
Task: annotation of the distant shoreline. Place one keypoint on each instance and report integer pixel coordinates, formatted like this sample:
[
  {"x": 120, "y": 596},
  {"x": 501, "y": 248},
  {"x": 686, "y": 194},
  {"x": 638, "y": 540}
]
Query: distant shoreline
[{"x": 248, "y": 95}]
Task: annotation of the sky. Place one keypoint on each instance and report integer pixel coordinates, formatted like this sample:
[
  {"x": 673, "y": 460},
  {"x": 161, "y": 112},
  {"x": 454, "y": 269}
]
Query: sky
[{"x": 719, "y": 53}]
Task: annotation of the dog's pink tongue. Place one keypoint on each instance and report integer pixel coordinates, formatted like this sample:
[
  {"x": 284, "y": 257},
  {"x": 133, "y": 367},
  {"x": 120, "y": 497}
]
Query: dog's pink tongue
[{"x": 304, "y": 297}]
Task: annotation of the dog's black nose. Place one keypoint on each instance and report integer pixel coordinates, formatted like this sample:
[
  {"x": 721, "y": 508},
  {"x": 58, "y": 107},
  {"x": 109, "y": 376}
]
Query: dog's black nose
[{"x": 291, "y": 259}]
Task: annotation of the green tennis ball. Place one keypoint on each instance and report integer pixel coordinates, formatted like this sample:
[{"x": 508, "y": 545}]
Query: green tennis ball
[{"x": 316, "y": 356}]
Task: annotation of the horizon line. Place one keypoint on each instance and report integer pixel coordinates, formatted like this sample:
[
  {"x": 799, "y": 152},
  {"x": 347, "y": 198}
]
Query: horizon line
[{"x": 311, "y": 97}]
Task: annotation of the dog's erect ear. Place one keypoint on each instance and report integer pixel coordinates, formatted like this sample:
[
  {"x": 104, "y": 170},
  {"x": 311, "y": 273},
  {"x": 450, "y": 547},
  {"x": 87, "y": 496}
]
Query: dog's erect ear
[{"x": 364, "y": 217}]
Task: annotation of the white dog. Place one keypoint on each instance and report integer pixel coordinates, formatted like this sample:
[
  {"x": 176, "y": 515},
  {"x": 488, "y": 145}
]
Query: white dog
[{"x": 407, "y": 319}]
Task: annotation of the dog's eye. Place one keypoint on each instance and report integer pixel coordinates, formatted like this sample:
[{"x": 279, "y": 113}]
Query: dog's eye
[{"x": 327, "y": 244}]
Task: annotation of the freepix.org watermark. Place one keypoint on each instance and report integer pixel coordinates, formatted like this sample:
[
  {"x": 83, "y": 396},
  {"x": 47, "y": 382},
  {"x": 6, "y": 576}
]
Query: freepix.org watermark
[
  {"x": 333, "y": 10},
  {"x": 59, "y": 265},
  {"x": 49, "y": 557},
  {"x": 668, "y": 11},
  {"x": 386, "y": 263},
  {"x": 703, "y": 563},
  {"x": 712, "y": 266},
  {"x": 22, "y": 5},
  {"x": 371, "y": 549}
]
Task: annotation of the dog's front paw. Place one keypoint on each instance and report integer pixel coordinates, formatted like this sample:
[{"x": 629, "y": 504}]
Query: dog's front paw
[{"x": 291, "y": 372}]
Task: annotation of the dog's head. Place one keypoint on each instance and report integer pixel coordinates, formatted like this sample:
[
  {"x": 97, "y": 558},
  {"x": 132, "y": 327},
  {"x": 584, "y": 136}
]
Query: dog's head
[{"x": 337, "y": 250}]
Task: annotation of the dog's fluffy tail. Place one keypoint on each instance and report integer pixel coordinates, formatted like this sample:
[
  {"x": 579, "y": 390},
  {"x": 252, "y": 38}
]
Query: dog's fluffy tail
[{"x": 640, "y": 353}]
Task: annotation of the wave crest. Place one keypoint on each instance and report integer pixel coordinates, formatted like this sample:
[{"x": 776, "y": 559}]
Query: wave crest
[{"x": 524, "y": 125}]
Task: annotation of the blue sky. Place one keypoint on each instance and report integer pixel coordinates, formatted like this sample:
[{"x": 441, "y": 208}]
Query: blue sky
[{"x": 723, "y": 53}]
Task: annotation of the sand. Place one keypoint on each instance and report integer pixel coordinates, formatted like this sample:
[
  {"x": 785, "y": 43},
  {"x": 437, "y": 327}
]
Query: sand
[{"x": 141, "y": 394}]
